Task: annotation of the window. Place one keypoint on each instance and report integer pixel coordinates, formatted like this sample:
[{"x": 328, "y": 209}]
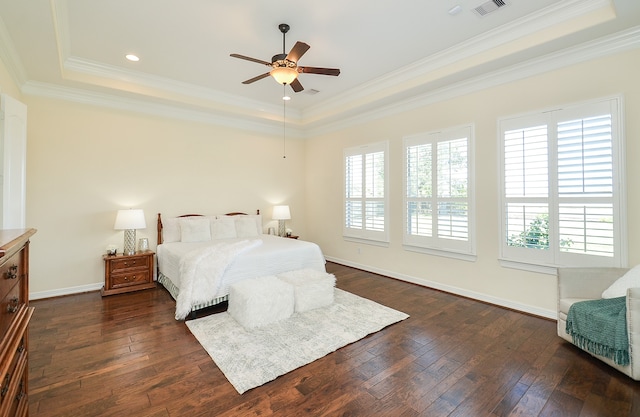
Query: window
[
  {"x": 562, "y": 198},
  {"x": 366, "y": 204},
  {"x": 438, "y": 197}
]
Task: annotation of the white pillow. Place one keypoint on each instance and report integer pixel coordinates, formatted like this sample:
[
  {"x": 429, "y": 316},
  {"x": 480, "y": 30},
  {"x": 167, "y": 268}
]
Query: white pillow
[
  {"x": 619, "y": 288},
  {"x": 195, "y": 229},
  {"x": 170, "y": 230},
  {"x": 223, "y": 228},
  {"x": 246, "y": 226}
]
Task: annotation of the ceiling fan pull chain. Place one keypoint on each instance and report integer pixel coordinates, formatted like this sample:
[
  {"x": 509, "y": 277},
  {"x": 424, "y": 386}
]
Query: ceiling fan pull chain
[{"x": 284, "y": 122}]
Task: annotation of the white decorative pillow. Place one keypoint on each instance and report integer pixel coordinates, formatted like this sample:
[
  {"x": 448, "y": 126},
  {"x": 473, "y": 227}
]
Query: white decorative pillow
[
  {"x": 170, "y": 230},
  {"x": 195, "y": 229},
  {"x": 246, "y": 226},
  {"x": 619, "y": 288},
  {"x": 257, "y": 218},
  {"x": 223, "y": 228}
]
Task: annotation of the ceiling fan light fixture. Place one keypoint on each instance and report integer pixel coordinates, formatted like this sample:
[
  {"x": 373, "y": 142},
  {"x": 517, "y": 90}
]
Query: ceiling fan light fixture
[{"x": 284, "y": 75}]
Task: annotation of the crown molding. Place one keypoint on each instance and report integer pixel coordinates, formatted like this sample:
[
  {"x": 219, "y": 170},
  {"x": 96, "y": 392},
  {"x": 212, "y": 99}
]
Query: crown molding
[
  {"x": 609, "y": 45},
  {"x": 77, "y": 95},
  {"x": 388, "y": 84},
  {"x": 169, "y": 89},
  {"x": 10, "y": 57}
]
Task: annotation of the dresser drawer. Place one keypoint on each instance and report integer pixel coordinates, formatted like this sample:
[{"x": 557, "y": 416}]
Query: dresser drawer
[
  {"x": 10, "y": 271},
  {"x": 124, "y": 264},
  {"x": 14, "y": 380},
  {"x": 9, "y": 306},
  {"x": 132, "y": 278},
  {"x": 13, "y": 364}
]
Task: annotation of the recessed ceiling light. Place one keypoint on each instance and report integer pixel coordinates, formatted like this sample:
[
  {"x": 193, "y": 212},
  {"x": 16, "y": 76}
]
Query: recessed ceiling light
[
  {"x": 286, "y": 98},
  {"x": 455, "y": 10},
  {"x": 132, "y": 57}
]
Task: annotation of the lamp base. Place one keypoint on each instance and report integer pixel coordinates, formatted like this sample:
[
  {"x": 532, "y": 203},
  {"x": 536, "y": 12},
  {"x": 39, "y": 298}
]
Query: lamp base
[
  {"x": 281, "y": 228},
  {"x": 129, "y": 242}
]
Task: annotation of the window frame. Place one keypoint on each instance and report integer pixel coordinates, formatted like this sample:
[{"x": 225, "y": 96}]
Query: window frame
[
  {"x": 363, "y": 234},
  {"x": 546, "y": 261},
  {"x": 464, "y": 249}
]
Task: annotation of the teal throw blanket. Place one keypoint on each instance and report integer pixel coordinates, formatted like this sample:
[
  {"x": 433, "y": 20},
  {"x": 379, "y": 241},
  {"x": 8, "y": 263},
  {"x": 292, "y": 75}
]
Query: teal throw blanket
[{"x": 600, "y": 327}]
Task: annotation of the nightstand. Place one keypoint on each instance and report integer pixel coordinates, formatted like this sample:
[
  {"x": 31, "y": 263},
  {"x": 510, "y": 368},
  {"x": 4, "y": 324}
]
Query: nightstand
[{"x": 126, "y": 273}]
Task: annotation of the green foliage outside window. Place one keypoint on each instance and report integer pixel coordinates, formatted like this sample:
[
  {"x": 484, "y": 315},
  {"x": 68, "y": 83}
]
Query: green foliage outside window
[{"x": 536, "y": 235}]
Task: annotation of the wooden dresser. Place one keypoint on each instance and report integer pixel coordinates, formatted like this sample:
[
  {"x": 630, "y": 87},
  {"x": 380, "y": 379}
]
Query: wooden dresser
[{"x": 15, "y": 314}]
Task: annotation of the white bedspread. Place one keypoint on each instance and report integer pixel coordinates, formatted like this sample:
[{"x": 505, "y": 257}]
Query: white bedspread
[
  {"x": 201, "y": 272},
  {"x": 275, "y": 255}
]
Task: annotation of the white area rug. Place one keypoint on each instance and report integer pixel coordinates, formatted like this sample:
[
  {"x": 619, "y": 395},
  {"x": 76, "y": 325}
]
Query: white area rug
[{"x": 251, "y": 358}]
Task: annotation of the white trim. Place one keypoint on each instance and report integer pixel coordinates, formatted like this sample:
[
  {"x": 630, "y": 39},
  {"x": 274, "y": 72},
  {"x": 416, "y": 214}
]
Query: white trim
[
  {"x": 529, "y": 25},
  {"x": 66, "y": 291},
  {"x": 524, "y": 308},
  {"x": 381, "y": 243},
  {"x": 10, "y": 57},
  {"x": 310, "y": 122},
  {"x": 446, "y": 253},
  {"x": 523, "y": 266},
  {"x": 254, "y": 124},
  {"x": 606, "y": 46}
]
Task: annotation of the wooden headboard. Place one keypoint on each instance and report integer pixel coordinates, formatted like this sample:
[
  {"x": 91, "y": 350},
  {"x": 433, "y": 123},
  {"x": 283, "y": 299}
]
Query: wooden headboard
[{"x": 235, "y": 213}]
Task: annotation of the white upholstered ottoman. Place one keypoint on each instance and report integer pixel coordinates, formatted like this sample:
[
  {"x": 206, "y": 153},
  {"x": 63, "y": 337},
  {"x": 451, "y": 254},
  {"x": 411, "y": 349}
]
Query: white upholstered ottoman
[
  {"x": 312, "y": 288},
  {"x": 259, "y": 301}
]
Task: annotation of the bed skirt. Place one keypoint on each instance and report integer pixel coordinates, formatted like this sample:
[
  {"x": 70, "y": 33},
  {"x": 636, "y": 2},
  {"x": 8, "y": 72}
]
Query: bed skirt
[{"x": 174, "y": 291}]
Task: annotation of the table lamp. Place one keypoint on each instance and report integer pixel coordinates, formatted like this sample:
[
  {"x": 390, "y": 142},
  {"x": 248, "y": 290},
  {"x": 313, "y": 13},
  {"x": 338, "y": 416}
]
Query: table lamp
[
  {"x": 281, "y": 213},
  {"x": 130, "y": 220}
]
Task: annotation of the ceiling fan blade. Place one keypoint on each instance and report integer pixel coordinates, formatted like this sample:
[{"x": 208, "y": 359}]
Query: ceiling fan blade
[
  {"x": 254, "y": 79},
  {"x": 297, "y": 51},
  {"x": 248, "y": 58},
  {"x": 297, "y": 87},
  {"x": 322, "y": 71}
]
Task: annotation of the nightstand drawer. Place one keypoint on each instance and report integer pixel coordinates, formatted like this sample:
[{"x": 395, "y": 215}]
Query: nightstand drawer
[
  {"x": 132, "y": 278},
  {"x": 126, "y": 273},
  {"x": 129, "y": 263}
]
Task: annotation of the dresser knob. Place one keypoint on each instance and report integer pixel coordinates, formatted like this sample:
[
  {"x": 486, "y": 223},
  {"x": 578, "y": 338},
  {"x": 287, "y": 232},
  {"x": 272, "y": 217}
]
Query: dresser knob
[
  {"x": 13, "y": 305},
  {"x": 5, "y": 388},
  {"x": 12, "y": 273}
]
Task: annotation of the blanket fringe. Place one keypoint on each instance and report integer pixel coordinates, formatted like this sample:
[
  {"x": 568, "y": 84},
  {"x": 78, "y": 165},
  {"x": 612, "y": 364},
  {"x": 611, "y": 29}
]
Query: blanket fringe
[{"x": 619, "y": 357}]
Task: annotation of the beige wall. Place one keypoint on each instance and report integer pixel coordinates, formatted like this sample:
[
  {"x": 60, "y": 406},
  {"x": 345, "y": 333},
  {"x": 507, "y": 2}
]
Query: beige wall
[
  {"x": 485, "y": 278},
  {"x": 86, "y": 162}
]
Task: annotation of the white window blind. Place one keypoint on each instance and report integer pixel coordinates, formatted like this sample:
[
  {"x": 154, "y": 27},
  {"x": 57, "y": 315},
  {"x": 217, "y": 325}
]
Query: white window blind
[
  {"x": 365, "y": 203},
  {"x": 561, "y": 193},
  {"x": 438, "y": 191}
]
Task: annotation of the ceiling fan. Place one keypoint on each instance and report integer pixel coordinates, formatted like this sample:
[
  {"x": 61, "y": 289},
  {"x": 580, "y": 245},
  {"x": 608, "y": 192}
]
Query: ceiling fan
[{"x": 284, "y": 67}]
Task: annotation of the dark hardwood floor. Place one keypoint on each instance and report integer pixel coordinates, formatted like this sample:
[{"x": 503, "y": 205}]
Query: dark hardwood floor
[{"x": 126, "y": 355}]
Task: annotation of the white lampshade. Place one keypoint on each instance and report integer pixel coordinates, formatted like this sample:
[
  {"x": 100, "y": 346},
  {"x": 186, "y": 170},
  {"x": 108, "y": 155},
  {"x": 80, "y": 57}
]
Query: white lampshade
[
  {"x": 281, "y": 213},
  {"x": 284, "y": 75},
  {"x": 130, "y": 219}
]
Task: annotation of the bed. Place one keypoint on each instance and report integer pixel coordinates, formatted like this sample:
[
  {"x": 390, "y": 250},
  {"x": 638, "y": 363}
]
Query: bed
[{"x": 200, "y": 256}]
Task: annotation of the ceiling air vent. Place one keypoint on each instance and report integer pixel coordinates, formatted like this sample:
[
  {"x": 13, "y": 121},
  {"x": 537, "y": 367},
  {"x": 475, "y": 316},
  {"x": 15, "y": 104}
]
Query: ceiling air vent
[{"x": 488, "y": 7}]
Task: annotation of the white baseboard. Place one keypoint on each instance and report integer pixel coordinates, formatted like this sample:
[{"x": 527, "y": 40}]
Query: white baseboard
[
  {"x": 66, "y": 291},
  {"x": 549, "y": 314}
]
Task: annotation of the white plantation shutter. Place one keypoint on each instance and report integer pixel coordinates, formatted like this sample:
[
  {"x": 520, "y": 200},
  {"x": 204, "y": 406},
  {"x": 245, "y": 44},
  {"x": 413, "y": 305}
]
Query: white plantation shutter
[
  {"x": 561, "y": 193},
  {"x": 585, "y": 185},
  {"x": 438, "y": 192},
  {"x": 365, "y": 202}
]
